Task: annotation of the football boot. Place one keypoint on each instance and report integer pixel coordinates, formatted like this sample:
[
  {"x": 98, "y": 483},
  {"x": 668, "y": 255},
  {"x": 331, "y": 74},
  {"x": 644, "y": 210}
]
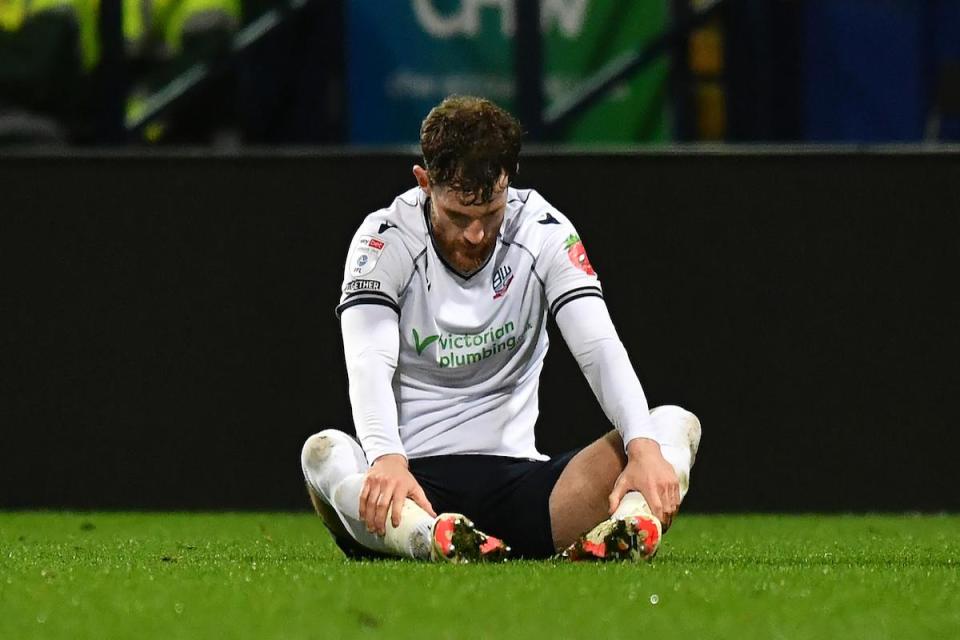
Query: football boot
[
  {"x": 456, "y": 540},
  {"x": 635, "y": 538}
]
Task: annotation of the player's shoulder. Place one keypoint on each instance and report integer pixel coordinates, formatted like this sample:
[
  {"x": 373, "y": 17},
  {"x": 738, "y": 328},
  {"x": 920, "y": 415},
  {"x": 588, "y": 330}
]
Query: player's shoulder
[
  {"x": 400, "y": 224},
  {"x": 532, "y": 221}
]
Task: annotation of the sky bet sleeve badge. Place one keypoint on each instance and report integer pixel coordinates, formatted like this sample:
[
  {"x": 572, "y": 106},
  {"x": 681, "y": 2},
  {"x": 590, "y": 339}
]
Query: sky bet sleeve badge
[{"x": 365, "y": 254}]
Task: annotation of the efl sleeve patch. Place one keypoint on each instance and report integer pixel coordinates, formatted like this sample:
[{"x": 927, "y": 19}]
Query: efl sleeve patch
[
  {"x": 364, "y": 256},
  {"x": 376, "y": 269}
]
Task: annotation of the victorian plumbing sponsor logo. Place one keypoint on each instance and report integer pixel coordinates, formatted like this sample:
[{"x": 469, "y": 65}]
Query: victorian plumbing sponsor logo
[{"x": 460, "y": 349}]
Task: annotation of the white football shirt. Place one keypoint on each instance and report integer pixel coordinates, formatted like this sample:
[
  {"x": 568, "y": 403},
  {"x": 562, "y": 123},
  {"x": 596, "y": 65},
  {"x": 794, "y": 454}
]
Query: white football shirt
[{"x": 471, "y": 348}]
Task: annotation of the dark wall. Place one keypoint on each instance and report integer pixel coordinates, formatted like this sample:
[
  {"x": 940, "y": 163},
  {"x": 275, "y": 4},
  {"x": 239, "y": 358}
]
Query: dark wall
[{"x": 168, "y": 337}]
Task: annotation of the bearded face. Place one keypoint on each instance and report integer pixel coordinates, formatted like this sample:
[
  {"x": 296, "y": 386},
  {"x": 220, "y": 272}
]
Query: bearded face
[{"x": 466, "y": 234}]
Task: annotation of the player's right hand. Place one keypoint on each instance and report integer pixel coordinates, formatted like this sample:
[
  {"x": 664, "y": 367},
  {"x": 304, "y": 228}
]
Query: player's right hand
[
  {"x": 649, "y": 473},
  {"x": 387, "y": 484}
]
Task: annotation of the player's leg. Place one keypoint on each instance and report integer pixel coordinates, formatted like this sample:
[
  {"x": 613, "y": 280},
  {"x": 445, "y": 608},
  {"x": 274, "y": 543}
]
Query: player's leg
[
  {"x": 633, "y": 531},
  {"x": 579, "y": 499},
  {"x": 334, "y": 467}
]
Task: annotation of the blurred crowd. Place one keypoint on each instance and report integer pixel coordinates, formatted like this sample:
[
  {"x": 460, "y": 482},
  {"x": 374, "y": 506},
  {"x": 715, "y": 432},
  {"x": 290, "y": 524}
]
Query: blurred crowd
[
  {"x": 179, "y": 74},
  {"x": 51, "y": 54},
  {"x": 302, "y": 72}
]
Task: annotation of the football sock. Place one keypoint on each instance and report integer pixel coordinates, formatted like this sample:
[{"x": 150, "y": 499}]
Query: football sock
[
  {"x": 632, "y": 504},
  {"x": 410, "y": 540},
  {"x": 681, "y": 430},
  {"x": 680, "y": 449}
]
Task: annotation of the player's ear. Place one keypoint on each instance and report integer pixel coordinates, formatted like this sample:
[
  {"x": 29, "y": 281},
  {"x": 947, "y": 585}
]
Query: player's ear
[{"x": 422, "y": 178}]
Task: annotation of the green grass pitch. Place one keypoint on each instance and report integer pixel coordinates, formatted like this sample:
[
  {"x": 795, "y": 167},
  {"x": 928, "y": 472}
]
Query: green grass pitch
[{"x": 266, "y": 575}]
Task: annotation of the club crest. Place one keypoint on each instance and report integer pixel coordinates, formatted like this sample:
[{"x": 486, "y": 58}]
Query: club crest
[{"x": 502, "y": 278}]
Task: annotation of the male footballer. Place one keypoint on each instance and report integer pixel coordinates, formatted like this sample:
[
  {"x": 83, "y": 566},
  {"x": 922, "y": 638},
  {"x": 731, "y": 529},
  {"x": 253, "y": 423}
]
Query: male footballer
[{"x": 443, "y": 311}]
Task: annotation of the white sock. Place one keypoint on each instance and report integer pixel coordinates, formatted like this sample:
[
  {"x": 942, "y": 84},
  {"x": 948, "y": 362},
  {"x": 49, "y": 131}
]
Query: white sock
[
  {"x": 682, "y": 439},
  {"x": 632, "y": 504},
  {"x": 334, "y": 466},
  {"x": 683, "y": 431},
  {"x": 410, "y": 540}
]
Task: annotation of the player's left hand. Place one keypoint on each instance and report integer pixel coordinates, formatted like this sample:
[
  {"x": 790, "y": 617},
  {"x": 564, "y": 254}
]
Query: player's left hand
[{"x": 650, "y": 474}]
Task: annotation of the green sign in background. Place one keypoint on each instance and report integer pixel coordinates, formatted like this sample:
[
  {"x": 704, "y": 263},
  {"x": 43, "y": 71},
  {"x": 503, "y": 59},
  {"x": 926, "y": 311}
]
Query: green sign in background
[
  {"x": 634, "y": 110},
  {"x": 404, "y": 57}
]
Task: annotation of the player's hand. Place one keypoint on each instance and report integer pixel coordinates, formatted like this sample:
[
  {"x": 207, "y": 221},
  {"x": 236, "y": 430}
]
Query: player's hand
[
  {"x": 387, "y": 484},
  {"x": 651, "y": 475}
]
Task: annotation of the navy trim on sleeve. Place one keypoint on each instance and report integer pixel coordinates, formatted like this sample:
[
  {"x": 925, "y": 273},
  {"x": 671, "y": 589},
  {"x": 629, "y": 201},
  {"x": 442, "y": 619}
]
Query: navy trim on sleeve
[
  {"x": 368, "y": 300},
  {"x": 364, "y": 292},
  {"x": 573, "y": 294}
]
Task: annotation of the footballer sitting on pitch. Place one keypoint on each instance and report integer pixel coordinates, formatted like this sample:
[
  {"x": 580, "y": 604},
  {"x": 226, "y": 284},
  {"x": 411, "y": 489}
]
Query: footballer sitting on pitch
[{"x": 444, "y": 318}]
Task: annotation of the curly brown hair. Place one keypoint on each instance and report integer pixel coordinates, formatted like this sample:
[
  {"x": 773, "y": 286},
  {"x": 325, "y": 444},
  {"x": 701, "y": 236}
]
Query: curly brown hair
[{"x": 468, "y": 143}]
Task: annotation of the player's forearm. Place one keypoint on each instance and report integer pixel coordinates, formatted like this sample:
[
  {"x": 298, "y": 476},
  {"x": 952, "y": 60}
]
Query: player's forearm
[
  {"x": 611, "y": 376},
  {"x": 370, "y": 344},
  {"x": 374, "y": 408},
  {"x": 593, "y": 340}
]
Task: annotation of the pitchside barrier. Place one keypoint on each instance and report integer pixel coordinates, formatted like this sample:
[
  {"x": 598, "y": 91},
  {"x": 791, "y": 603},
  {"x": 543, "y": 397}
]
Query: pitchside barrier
[{"x": 168, "y": 337}]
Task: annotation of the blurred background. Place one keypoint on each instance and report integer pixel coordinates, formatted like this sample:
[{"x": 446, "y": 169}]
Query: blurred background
[
  {"x": 229, "y": 73},
  {"x": 769, "y": 190}
]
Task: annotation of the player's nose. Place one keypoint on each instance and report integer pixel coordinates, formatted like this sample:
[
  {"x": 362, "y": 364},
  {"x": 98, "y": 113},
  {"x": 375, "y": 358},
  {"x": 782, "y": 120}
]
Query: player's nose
[{"x": 474, "y": 233}]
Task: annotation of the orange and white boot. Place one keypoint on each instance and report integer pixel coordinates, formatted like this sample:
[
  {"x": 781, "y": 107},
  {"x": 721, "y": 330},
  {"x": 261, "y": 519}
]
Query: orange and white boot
[
  {"x": 455, "y": 539},
  {"x": 634, "y": 537}
]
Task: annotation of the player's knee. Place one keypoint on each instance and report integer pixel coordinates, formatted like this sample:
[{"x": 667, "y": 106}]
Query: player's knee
[
  {"x": 680, "y": 426},
  {"x": 318, "y": 447}
]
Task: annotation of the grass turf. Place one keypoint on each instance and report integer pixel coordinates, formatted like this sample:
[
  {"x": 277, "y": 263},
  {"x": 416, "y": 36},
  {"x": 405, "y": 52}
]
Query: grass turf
[{"x": 265, "y": 575}]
